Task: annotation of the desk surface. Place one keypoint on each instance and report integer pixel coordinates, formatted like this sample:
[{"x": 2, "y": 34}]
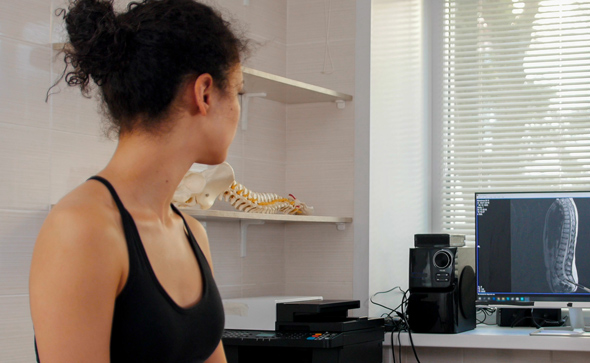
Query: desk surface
[{"x": 494, "y": 337}]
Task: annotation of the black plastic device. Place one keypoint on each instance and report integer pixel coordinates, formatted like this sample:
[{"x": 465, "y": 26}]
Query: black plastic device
[
  {"x": 514, "y": 317},
  {"x": 313, "y": 331},
  {"x": 442, "y": 290},
  {"x": 438, "y": 240}
]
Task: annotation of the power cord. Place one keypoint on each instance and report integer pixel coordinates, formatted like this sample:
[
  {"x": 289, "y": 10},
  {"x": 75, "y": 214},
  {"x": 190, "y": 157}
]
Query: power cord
[
  {"x": 404, "y": 317},
  {"x": 397, "y": 321},
  {"x": 487, "y": 312}
]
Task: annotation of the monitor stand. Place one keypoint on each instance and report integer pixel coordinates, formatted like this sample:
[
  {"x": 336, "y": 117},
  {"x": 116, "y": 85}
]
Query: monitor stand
[{"x": 576, "y": 328}]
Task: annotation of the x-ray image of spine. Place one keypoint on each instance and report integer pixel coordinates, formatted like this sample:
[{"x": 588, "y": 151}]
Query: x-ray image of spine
[{"x": 559, "y": 243}]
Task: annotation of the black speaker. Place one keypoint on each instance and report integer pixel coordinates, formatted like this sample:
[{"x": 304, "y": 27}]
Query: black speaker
[{"x": 442, "y": 290}]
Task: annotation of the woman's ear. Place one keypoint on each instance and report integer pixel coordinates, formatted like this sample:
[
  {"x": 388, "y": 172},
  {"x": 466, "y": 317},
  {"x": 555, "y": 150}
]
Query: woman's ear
[{"x": 203, "y": 88}]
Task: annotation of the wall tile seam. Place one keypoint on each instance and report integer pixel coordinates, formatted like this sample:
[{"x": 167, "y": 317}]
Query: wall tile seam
[
  {"x": 336, "y": 274},
  {"x": 298, "y": 111},
  {"x": 321, "y": 162},
  {"x": 321, "y": 282},
  {"x": 299, "y": 2},
  {"x": 47, "y": 45},
  {"x": 22, "y": 127},
  {"x": 253, "y": 285},
  {"x": 300, "y": 124},
  {"x": 26, "y": 211},
  {"x": 264, "y": 12},
  {"x": 320, "y": 241},
  {"x": 263, "y": 160},
  {"x": 29, "y": 211},
  {"x": 320, "y": 42},
  {"x": 265, "y": 132},
  {"x": 260, "y": 41},
  {"x": 276, "y": 160},
  {"x": 298, "y": 282},
  {"x": 312, "y": 145},
  {"x": 231, "y": 285},
  {"x": 330, "y": 267},
  {"x": 12, "y": 295},
  {"x": 327, "y": 244},
  {"x": 321, "y": 253},
  {"x": 100, "y": 138}
]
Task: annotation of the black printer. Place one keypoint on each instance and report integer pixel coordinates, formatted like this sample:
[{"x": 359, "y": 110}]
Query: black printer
[{"x": 313, "y": 331}]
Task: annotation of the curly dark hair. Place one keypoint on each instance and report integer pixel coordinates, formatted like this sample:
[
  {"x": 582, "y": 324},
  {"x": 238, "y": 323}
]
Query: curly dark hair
[{"x": 140, "y": 59}]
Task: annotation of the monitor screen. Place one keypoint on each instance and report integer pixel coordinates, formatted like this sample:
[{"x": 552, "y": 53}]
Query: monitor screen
[{"x": 533, "y": 248}]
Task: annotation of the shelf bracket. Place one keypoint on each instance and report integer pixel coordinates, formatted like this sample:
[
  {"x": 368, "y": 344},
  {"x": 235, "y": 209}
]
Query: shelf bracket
[
  {"x": 244, "y": 234},
  {"x": 341, "y": 104},
  {"x": 245, "y": 98},
  {"x": 341, "y": 226}
]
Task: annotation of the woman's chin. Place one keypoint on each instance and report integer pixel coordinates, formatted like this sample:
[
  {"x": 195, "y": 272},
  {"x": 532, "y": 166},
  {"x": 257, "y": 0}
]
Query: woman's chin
[{"x": 212, "y": 160}]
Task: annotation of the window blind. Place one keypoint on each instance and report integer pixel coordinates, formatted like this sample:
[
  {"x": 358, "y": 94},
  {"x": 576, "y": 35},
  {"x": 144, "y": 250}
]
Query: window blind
[{"x": 516, "y": 114}]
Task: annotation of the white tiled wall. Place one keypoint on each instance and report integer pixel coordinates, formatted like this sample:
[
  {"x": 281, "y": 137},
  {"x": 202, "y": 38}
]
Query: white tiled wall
[
  {"x": 320, "y": 147},
  {"x": 25, "y": 163}
]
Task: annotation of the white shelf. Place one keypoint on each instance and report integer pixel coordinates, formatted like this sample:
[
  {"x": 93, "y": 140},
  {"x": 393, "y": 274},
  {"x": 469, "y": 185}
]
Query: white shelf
[
  {"x": 287, "y": 90},
  {"x": 279, "y": 88},
  {"x": 494, "y": 337},
  {"x": 58, "y": 46},
  {"x": 212, "y": 215},
  {"x": 247, "y": 219}
]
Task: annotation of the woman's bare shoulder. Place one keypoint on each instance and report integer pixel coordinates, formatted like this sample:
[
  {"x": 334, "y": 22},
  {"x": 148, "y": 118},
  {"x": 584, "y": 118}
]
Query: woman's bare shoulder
[
  {"x": 89, "y": 210},
  {"x": 84, "y": 225}
]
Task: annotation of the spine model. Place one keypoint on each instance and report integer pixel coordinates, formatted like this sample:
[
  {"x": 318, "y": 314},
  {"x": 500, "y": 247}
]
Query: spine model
[{"x": 248, "y": 201}]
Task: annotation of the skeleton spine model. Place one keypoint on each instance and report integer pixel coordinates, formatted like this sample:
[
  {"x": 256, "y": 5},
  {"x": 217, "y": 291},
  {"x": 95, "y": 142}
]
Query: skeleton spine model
[
  {"x": 203, "y": 187},
  {"x": 247, "y": 201}
]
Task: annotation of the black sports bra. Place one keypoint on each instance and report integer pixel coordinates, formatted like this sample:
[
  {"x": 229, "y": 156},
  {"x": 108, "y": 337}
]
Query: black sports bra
[{"x": 148, "y": 326}]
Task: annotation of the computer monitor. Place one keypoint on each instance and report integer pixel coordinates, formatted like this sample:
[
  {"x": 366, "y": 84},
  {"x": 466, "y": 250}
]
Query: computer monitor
[{"x": 533, "y": 250}]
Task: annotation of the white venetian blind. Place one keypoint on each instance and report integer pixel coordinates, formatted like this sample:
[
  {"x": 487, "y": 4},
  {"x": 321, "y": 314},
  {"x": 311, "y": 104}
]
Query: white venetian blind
[{"x": 516, "y": 101}]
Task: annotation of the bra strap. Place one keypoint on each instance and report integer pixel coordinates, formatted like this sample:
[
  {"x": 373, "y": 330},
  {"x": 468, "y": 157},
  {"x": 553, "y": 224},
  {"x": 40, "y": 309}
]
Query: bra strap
[{"x": 111, "y": 189}]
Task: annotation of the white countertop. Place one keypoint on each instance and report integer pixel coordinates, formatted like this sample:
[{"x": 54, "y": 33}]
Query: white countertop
[{"x": 494, "y": 337}]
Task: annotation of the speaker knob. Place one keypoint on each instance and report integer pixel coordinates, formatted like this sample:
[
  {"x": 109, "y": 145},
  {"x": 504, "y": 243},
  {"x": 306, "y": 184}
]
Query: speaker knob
[{"x": 442, "y": 259}]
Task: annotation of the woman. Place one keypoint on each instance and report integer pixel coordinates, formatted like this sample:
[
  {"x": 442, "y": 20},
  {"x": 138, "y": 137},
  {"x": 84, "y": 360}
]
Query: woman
[{"x": 118, "y": 274}]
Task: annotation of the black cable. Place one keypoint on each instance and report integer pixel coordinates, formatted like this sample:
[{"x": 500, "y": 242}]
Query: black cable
[
  {"x": 487, "y": 312},
  {"x": 403, "y": 326},
  {"x": 388, "y": 315},
  {"x": 393, "y": 348},
  {"x": 384, "y": 306},
  {"x": 405, "y": 302},
  {"x": 399, "y": 341}
]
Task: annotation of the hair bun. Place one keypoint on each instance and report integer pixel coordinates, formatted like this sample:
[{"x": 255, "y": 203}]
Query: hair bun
[
  {"x": 99, "y": 44},
  {"x": 142, "y": 57}
]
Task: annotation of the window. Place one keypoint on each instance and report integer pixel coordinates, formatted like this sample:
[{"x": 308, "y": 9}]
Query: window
[{"x": 516, "y": 114}]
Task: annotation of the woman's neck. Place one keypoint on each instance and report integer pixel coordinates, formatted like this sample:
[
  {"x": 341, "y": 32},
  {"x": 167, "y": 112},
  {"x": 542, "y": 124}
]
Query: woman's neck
[{"x": 146, "y": 170}]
